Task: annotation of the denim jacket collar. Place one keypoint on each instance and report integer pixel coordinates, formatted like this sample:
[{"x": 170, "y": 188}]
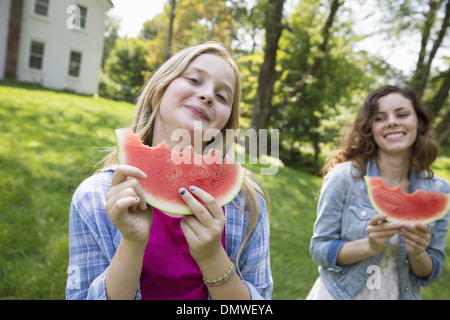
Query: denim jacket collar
[{"x": 372, "y": 171}]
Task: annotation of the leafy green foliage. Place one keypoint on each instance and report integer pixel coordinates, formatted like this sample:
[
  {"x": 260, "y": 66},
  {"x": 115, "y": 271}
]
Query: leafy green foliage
[{"x": 123, "y": 74}]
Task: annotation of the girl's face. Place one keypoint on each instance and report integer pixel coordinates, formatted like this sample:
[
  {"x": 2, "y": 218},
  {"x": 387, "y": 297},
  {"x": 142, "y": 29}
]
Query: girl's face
[
  {"x": 204, "y": 93},
  {"x": 395, "y": 125}
]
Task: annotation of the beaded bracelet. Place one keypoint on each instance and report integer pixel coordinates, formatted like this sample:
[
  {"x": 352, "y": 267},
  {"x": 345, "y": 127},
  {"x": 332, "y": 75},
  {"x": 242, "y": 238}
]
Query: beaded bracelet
[{"x": 222, "y": 279}]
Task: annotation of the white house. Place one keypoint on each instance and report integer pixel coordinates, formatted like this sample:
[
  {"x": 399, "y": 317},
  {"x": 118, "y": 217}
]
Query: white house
[{"x": 56, "y": 43}]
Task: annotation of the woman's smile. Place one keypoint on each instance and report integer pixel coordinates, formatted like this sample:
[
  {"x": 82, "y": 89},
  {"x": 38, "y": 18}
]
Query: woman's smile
[{"x": 395, "y": 135}]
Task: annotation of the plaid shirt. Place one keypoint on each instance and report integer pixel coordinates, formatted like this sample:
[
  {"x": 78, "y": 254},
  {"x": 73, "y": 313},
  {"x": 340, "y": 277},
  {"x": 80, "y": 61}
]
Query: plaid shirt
[{"x": 94, "y": 239}]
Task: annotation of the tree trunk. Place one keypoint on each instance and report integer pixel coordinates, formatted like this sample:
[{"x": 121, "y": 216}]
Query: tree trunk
[
  {"x": 438, "y": 101},
  {"x": 262, "y": 109},
  {"x": 422, "y": 72},
  {"x": 437, "y": 105},
  {"x": 442, "y": 130},
  {"x": 170, "y": 31}
]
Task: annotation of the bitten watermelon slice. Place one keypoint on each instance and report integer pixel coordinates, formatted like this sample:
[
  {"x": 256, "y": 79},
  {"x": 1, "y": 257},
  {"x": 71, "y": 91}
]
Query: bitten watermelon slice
[
  {"x": 168, "y": 171},
  {"x": 419, "y": 207}
]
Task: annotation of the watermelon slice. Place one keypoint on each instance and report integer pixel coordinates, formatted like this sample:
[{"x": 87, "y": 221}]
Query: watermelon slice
[
  {"x": 168, "y": 171},
  {"x": 419, "y": 207}
]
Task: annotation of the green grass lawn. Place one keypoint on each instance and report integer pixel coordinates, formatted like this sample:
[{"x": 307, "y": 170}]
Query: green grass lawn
[
  {"x": 52, "y": 141},
  {"x": 49, "y": 144}
]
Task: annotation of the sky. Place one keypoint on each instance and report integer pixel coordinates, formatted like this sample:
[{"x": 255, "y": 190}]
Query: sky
[{"x": 135, "y": 12}]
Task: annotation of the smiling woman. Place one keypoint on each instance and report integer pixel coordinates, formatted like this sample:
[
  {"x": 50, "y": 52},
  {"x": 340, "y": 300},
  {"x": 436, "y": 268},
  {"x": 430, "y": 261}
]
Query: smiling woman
[
  {"x": 391, "y": 138},
  {"x": 361, "y": 146}
]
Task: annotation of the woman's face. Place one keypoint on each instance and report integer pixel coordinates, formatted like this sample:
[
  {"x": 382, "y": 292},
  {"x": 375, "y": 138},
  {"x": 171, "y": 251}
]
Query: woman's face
[
  {"x": 395, "y": 125},
  {"x": 202, "y": 96}
]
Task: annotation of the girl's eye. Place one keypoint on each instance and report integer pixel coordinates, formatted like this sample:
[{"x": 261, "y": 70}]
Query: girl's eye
[
  {"x": 221, "y": 97},
  {"x": 194, "y": 80},
  {"x": 403, "y": 115}
]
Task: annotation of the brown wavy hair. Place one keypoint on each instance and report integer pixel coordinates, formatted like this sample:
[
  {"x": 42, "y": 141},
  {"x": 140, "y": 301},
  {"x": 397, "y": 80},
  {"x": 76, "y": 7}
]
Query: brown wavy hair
[{"x": 360, "y": 145}]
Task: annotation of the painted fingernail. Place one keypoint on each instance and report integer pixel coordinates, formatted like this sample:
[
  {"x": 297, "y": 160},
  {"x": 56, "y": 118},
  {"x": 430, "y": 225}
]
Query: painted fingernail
[
  {"x": 137, "y": 199},
  {"x": 182, "y": 191},
  {"x": 193, "y": 188},
  {"x": 143, "y": 175}
]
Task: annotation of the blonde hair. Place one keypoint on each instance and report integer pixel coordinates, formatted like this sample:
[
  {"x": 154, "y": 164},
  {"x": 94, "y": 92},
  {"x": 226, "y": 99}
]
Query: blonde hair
[{"x": 149, "y": 102}]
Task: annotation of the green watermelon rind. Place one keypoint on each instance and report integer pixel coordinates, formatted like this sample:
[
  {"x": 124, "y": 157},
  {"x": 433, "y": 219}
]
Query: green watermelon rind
[
  {"x": 120, "y": 140},
  {"x": 176, "y": 208},
  {"x": 437, "y": 216}
]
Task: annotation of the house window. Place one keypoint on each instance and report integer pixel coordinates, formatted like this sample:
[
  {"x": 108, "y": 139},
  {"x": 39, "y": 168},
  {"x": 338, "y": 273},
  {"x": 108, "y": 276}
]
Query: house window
[
  {"x": 36, "y": 55},
  {"x": 41, "y": 7},
  {"x": 75, "y": 64},
  {"x": 83, "y": 17}
]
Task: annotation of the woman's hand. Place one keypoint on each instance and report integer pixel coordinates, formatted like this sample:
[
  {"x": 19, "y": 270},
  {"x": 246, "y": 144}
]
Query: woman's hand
[
  {"x": 126, "y": 206},
  {"x": 203, "y": 230},
  {"x": 379, "y": 231},
  {"x": 417, "y": 238}
]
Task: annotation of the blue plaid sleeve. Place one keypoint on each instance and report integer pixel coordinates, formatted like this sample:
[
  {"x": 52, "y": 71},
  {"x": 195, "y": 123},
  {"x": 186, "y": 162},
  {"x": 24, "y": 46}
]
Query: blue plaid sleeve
[
  {"x": 93, "y": 239},
  {"x": 254, "y": 261}
]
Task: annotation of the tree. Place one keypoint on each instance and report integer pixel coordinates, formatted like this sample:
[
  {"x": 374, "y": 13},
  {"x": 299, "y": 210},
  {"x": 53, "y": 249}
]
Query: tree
[
  {"x": 123, "y": 73},
  {"x": 202, "y": 20},
  {"x": 186, "y": 22},
  {"x": 439, "y": 106},
  {"x": 111, "y": 35},
  {"x": 170, "y": 29},
  {"x": 264, "y": 108},
  {"x": 420, "y": 79},
  {"x": 425, "y": 59},
  {"x": 306, "y": 120},
  {"x": 430, "y": 19}
]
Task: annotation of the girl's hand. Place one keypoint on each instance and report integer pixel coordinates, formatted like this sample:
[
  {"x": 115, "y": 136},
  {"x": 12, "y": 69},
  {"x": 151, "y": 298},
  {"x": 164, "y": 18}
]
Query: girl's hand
[
  {"x": 126, "y": 206},
  {"x": 203, "y": 230},
  {"x": 379, "y": 231},
  {"x": 417, "y": 238}
]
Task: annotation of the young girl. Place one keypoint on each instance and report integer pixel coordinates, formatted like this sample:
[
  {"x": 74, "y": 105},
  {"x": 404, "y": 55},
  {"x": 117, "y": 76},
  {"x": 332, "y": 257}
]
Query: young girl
[
  {"x": 120, "y": 248},
  {"x": 360, "y": 255}
]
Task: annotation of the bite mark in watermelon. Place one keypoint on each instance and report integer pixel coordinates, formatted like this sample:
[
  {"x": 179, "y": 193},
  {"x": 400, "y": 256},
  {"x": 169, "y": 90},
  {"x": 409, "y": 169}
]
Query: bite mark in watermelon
[
  {"x": 419, "y": 207},
  {"x": 222, "y": 177}
]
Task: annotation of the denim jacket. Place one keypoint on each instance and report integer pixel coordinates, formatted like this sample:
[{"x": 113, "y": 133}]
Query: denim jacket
[{"x": 342, "y": 215}]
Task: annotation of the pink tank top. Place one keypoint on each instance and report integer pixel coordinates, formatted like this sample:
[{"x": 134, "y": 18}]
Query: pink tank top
[{"x": 169, "y": 272}]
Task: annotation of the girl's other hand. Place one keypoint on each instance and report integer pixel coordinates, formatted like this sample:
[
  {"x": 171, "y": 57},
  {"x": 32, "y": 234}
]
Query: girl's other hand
[
  {"x": 126, "y": 206},
  {"x": 203, "y": 230}
]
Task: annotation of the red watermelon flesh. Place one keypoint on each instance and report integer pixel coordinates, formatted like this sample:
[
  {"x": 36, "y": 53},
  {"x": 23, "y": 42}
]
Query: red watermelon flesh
[
  {"x": 167, "y": 171},
  {"x": 418, "y": 207}
]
